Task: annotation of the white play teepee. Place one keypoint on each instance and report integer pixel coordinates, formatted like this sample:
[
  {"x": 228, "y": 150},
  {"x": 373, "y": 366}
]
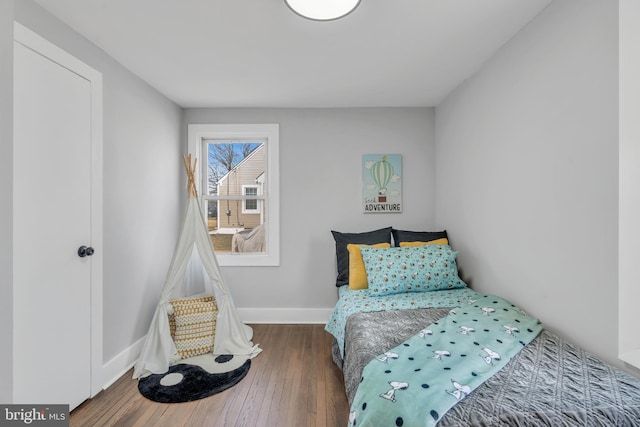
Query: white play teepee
[{"x": 194, "y": 270}]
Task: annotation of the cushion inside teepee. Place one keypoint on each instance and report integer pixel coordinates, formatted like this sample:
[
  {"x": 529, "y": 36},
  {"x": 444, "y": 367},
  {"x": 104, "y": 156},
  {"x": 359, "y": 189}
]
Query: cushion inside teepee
[{"x": 195, "y": 325}]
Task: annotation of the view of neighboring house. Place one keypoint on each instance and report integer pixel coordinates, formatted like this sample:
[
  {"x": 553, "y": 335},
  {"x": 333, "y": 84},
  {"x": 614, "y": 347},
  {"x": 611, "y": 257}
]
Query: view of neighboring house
[{"x": 247, "y": 178}]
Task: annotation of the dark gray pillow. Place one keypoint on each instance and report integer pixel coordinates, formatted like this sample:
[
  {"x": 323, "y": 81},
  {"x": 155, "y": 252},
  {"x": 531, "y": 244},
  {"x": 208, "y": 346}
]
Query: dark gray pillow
[
  {"x": 416, "y": 236},
  {"x": 342, "y": 254}
]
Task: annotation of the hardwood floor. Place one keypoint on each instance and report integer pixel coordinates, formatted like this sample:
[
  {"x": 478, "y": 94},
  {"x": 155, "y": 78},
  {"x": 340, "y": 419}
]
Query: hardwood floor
[{"x": 293, "y": 382}]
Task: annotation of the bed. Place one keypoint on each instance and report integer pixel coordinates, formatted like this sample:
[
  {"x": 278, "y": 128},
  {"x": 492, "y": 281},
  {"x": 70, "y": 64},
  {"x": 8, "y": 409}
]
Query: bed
[{"x": 547, "y": 382}]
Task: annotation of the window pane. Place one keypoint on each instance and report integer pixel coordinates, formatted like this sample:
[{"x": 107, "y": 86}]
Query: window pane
[
  {"x": 250, "y": 205},
  {"x": 232, "y": 164},
  {"x": 232, "y": 230},
  {"x": 236, "y": 169},
  {"x": 221, "y": 241}
]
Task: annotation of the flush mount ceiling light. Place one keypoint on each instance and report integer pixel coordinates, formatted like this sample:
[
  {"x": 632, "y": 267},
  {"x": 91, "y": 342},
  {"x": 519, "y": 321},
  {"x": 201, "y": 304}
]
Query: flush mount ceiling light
[{"x": 322, "y": 10}]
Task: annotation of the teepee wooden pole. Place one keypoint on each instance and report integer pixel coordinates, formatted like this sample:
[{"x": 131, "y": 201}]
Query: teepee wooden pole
[{"x": 191, "y": 179}]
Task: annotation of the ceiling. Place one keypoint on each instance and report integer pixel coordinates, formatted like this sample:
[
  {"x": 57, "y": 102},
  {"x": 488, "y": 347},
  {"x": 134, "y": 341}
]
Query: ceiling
[{"x": 258, "y": 53}]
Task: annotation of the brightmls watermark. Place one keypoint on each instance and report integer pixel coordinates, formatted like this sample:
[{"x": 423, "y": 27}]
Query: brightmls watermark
[{"x": 34, "y": 415}]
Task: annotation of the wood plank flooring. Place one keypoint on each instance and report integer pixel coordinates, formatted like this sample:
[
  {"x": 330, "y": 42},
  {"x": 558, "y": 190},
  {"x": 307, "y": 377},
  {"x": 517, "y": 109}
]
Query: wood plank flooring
[{"x": 293, "y": 382}]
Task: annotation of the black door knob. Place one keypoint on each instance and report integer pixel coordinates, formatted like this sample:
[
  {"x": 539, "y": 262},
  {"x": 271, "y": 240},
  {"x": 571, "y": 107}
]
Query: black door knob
[{"x": 84, "y": 251}]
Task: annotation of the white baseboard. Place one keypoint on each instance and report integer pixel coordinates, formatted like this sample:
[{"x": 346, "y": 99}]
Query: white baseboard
[
  {"x": 631, "y": 358},
  {"x": 284, "y": 315},
  {"x": 119, "y": 365}
]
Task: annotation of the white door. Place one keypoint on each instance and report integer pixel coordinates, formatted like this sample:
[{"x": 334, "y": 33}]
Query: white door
[{"x": 52, "y": 220}]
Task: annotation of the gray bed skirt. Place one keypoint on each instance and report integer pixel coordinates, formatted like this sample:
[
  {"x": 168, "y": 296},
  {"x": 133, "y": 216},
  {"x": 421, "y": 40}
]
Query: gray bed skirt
[{"x": 551, "y": 382}]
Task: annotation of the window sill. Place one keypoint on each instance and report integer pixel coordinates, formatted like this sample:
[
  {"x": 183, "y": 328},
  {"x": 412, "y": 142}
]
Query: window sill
[{"x": 248, "y": 260}]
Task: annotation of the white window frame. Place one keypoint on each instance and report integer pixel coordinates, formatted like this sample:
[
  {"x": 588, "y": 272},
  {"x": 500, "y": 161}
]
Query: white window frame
[
  {"x": 258, "y": 209},
  {"x": 198, "y": 134}
]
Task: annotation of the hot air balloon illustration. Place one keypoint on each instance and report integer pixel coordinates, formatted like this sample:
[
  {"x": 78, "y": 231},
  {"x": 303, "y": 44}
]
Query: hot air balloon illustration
[
  {"x": 382, "y": 183},
  {"x": 381, "y": 172}
]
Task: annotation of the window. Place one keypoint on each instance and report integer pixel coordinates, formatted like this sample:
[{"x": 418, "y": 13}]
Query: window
[
  {"x": 238, "y": 168},
  {"x": 250, "y": 206}
]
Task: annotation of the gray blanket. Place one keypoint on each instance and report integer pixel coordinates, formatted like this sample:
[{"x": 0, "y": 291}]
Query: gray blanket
[{"x": 549, "y": 383}]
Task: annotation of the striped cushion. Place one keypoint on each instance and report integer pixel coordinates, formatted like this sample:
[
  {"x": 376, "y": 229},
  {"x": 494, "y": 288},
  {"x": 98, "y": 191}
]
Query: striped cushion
[{"x": 193, "y": 325}]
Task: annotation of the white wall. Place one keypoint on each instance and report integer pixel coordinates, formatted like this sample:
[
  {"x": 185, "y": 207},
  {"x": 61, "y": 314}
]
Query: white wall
[
  {"x": 527, "y": 172},
  {"x": 320, "y": 190},
  {"x": 629, "y": 231},
  {"x": 6, "y": 195},
  {"x": 142, "y": 176}
]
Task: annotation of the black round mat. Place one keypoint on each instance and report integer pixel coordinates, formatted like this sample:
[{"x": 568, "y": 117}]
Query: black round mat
[{"x": 196, "y": 383}]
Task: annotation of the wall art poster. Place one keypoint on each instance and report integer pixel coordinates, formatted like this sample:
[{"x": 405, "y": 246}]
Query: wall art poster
[{"x": 382, "y": 183}]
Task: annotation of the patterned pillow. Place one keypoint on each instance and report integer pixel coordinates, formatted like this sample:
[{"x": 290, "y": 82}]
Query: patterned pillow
[
  {"x": 195, "y": 325},
  {"x": 411, "y": 269}
]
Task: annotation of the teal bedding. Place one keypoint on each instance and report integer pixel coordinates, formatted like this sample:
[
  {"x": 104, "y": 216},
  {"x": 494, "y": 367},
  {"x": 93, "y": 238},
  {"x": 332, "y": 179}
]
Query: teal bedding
[
  {"x": 417, "y": 382},
  {"x": 361, "y": 301}
]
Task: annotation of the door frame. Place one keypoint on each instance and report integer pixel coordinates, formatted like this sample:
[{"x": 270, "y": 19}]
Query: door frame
[{"x": 40, "y": 45}]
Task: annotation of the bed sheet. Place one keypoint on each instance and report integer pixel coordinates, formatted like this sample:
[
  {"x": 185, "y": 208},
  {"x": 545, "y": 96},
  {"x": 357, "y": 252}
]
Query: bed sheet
[{"x": 361, "y": 301}]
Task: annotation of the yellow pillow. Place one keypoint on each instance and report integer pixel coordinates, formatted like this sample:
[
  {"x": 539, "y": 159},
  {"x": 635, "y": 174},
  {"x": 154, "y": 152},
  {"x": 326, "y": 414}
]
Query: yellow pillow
[
  {"x": 443, "y": 241},
  {"x": 357, "y": 273}
]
